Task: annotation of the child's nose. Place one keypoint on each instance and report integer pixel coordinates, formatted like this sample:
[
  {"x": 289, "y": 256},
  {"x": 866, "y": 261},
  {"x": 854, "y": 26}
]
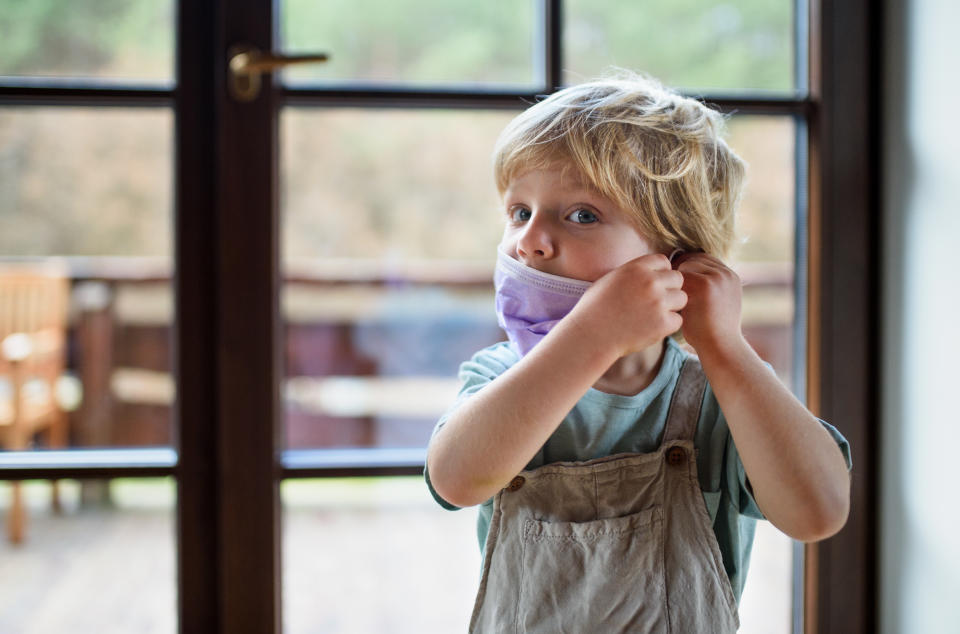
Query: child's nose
[{"x": 536, "y": 241}]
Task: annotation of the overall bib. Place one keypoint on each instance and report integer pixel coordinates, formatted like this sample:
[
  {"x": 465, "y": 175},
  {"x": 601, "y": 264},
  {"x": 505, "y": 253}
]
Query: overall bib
[{"x": 616, "y": 544}]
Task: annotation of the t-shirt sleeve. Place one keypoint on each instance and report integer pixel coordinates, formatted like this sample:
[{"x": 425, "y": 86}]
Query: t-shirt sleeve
[
  {"x": 482, "y": 368},
  {"x": 742, "y": 496}
]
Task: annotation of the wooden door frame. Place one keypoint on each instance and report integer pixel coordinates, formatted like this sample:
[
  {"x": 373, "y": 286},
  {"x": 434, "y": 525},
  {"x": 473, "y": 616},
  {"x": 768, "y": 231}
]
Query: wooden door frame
[
  {"x": 228, "y": 315},
  {"x": 844, "y": 298}
]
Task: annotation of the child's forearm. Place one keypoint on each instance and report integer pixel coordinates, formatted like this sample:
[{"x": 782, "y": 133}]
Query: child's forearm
[
  {"x": 797, "y": 472},
  {"x": 495, "y": 433}
]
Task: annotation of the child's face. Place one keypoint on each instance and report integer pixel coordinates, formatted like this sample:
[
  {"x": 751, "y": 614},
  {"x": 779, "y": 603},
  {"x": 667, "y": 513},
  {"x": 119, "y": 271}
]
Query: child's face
[{"x": 558, "y": 225}]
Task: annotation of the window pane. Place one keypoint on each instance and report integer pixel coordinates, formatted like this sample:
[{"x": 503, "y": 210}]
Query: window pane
[
  {"x": 389, "y": 234},
  {"x": 696, "y": 45},
  {"x": 389, "y": 240},
  {"x": 106, "y": 39},
  {"x": 415, "y": 41},
  {"x": 104, "y": 565},
  {"x": 85, "y": 214},
  {"x": 85, "y": 182},
  {"x": 389, "y": 186},
  {"x": 765, "y": 263},
  {"x": 375, "y": 555},
  {"x": 764, "y": 257}
]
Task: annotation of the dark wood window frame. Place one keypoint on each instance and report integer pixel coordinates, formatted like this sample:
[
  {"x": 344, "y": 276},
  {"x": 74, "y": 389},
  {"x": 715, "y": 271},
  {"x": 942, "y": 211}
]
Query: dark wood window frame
[{"x": 229, "y": 461}]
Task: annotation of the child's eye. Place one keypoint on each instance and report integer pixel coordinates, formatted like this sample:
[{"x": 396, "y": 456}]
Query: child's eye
[
  {"x": 520, "y": 214},
  {"x": 583, "y": 216}
]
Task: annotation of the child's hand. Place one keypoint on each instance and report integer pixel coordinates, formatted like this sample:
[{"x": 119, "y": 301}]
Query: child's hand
[
  {"x": 711, "y": 317},
  {"x": 633, "y": 306}
]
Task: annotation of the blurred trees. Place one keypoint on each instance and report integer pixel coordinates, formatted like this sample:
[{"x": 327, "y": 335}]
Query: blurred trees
[
  {"x": 419, "y": 41},
  {"x": 93, "y": 38},
  {"x": 698, "y": 45}
]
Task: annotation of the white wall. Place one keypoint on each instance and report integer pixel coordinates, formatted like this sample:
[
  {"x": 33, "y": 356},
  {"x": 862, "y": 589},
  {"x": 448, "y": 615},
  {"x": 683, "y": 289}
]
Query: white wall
[{"x": 920, "y": 458}]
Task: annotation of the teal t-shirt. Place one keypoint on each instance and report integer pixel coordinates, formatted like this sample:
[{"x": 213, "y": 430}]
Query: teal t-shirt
[{"x": 602, "y": 424}]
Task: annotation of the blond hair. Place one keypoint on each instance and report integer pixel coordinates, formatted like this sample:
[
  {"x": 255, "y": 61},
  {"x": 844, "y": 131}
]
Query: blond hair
[{"x": 657, "y": 154}]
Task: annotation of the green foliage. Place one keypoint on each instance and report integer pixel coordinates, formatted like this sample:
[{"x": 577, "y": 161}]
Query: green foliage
[
  {"x": 415, "y": 40},
  {"x": 693, "y": 44},
  {"x": 86, "y": 37},
  {"x": 698, "y": 45}
]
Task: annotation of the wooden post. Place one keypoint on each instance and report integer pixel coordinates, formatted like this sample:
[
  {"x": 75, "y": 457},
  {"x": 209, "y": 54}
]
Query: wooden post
[{"x": 95, "y": 329}]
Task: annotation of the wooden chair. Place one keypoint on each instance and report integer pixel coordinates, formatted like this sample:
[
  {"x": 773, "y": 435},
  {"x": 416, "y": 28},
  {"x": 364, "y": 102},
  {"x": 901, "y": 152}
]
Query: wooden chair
[{"x": 33, "y": 323}]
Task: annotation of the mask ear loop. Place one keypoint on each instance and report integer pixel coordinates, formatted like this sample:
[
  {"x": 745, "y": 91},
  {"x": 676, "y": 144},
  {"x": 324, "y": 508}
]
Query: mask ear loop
[{"x": 676, "y": 254}]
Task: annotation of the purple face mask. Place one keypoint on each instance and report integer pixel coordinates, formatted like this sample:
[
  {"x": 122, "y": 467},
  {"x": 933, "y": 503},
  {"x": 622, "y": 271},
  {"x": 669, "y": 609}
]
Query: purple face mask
[{"x": 529, "y": 302}]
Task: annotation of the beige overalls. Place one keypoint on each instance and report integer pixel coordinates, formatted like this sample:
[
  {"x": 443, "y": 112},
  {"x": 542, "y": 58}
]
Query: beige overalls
[{"x": 617, "y": 544}]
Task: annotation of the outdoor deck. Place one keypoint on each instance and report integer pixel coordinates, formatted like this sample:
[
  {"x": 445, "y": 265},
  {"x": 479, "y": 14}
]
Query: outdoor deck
[{"x": 360, "y": 556}]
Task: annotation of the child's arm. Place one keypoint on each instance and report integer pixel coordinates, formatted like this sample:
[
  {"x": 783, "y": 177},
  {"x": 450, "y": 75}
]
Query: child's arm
[
  {"x": 797, "y": 472},
  {"x": 493, "y": 435}
]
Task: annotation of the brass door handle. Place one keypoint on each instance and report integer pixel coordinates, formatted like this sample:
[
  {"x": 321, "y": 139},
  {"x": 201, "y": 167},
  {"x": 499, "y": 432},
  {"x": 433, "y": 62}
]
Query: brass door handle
[{"x": 248, "y": 63}]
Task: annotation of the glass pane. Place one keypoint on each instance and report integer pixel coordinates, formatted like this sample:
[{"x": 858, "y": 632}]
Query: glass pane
[
  {"x": 375, "y": 555},
  {"x": 85, "y": 219},
  {"x": 106, "y": 39},
  {"x": 415, "y": 41},
  {"x": 765, "y": 262},
  {"x": 766, "y": 227},
  {"x": 389, "y": 239},
  {"x": 104, "y": 564},
  {"x": 766, "y": 606},
  {"x": 389, "y": 235},
  {"x": 696, "y": 45}
]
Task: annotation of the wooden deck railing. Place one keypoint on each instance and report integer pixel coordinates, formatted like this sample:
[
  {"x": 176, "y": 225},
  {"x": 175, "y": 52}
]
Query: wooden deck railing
[{"x": 358, "y": 343}]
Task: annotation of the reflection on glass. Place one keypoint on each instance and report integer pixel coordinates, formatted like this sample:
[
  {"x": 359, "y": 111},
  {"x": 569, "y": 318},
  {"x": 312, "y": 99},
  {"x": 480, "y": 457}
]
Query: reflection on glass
[
  {"x": 375, "y": 555},
  {"x": 390, "y": 226},
  {"x": 415, "y": 41},
  {"x": 696, "y": 45},
  {"x": 85, "y": 299},
  {"x": 105, "y": 564},
  {"x": 103, "y": 39}
]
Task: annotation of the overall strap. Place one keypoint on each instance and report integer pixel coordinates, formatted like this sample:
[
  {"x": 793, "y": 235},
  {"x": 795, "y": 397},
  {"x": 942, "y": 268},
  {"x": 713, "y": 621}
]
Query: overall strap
[{"x": 687, "y": 399}]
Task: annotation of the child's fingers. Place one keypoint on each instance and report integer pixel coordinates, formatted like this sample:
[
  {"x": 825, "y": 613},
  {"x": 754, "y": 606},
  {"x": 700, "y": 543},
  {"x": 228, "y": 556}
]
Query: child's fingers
[
  {"x": 654, "y": 263},
  {"x": 672, "y": 279},
  {"x": 675, "y": 300},
  {"x": 699, "y": 265},
  {"x": 709, "y": 270},
  {"x": 651, "y": 262},
  {"x": 696, "y": 260}
]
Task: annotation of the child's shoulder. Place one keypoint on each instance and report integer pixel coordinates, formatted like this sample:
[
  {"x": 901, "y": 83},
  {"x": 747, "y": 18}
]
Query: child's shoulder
[{"x": 490, "y": 361}]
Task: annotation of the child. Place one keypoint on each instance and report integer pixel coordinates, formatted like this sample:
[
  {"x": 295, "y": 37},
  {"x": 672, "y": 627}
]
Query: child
[{"x": 619, "y": 478}]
